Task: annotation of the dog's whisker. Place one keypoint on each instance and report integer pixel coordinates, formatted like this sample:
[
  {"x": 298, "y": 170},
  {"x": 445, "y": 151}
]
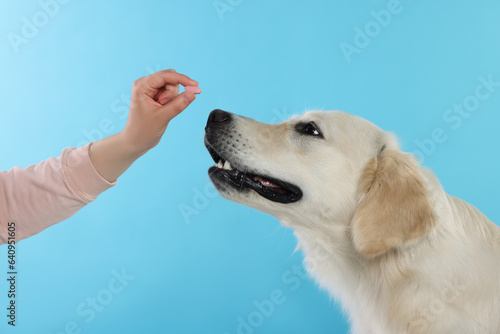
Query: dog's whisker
[
  {"x": 281, "y": 241},
  {"x": 328, "y": 97},
  {"x": 270, "y": 234}
]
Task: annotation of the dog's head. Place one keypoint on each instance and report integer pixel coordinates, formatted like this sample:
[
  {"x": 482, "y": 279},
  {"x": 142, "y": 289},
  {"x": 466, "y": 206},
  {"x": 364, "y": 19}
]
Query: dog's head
[{"x": 322, "y": 168}]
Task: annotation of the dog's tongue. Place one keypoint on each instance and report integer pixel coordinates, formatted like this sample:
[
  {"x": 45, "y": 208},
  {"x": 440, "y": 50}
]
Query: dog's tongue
[
  {"x": 269, "y": 184},
  {"x": 265, "y": 182}
]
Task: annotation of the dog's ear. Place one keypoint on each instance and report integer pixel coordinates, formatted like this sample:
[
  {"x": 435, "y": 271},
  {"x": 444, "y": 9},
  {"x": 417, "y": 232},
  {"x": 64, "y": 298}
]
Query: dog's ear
[{"x": 394, "y": 206}]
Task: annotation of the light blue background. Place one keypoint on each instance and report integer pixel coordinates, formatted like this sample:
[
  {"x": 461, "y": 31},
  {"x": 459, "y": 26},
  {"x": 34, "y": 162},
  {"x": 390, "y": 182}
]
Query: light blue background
[{"x": 263, "y": 59}]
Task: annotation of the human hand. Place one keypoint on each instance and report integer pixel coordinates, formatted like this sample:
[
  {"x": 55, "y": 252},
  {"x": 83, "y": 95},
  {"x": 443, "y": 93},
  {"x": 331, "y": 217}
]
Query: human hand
[{"x": 154, "y": 103}]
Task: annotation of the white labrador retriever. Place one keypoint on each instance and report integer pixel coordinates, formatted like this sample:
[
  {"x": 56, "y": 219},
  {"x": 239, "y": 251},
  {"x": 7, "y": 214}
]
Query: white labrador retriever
[{"x": 377, "y": 229}]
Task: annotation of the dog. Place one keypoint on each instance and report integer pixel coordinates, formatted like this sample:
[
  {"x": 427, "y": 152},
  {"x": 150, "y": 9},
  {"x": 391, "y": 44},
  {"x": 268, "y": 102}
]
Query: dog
[{"x": 377, "y": 230}]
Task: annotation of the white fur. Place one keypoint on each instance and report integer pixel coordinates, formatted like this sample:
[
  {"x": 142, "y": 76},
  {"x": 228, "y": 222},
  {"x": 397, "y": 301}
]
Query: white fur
[{"x": 447, "y": 281}]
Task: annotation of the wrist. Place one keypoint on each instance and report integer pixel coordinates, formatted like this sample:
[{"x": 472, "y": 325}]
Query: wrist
[
  {"x": 112, "y": 155},
  {"x": 129, "y": 147}
]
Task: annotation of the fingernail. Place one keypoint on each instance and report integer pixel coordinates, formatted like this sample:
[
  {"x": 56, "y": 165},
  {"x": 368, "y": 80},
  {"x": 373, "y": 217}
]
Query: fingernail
[
  {"x": 193, "y": 89},
  {"x": 188, "y": 97},
  {"x": 164, "y": 101}
]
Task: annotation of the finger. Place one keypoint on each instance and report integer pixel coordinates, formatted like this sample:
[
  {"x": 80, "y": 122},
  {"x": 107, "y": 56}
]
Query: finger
[
  {"x": 158, "y": 93},
  {"x": 167, "y": 87},
  {"x": 177, "y": 105},
  {"x": 152, "y": 83},
  {"x": 168, "y": 94}
]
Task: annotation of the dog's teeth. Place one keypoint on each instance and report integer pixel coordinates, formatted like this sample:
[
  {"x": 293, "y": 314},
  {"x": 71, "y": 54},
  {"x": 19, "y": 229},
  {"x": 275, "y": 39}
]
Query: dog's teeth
[
  {"x": 219, "y": 164},
  {"x": 227, "y": 165}
]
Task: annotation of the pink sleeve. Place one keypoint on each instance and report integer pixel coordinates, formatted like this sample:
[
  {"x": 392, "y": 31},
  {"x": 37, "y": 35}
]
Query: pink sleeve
[{"x": 44, "y": 194}]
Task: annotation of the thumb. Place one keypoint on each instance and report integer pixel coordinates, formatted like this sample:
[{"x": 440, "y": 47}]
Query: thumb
[{"x": 175, "y": 106}]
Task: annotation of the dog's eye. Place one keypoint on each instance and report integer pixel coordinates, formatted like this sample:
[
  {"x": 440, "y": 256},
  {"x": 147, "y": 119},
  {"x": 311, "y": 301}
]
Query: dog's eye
[{"x": 309, "y": 129}]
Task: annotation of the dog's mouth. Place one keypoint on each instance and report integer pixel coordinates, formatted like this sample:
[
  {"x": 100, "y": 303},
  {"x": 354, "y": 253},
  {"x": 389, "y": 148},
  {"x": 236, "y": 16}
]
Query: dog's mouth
[{"x": 270, "y": 188}]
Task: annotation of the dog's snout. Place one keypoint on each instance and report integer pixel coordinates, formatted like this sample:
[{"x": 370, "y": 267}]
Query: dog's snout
[{"x": 218, "y": 116}]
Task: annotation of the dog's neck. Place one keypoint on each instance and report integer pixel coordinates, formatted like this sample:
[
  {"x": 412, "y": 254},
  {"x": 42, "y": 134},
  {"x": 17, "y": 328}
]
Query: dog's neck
[
  {"x": 332, "y": 260},
  {"x": 347, "y": 275}
]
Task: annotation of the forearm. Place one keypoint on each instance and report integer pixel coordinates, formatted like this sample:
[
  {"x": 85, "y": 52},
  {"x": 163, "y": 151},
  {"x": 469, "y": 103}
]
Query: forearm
[
  {"x": 112, "y": 156},
  {"x": 43, "y": 194}
]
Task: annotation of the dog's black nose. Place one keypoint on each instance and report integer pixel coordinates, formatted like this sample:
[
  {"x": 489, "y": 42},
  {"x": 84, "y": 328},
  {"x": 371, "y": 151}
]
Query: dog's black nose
[{"x": 218, "y": 116}]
